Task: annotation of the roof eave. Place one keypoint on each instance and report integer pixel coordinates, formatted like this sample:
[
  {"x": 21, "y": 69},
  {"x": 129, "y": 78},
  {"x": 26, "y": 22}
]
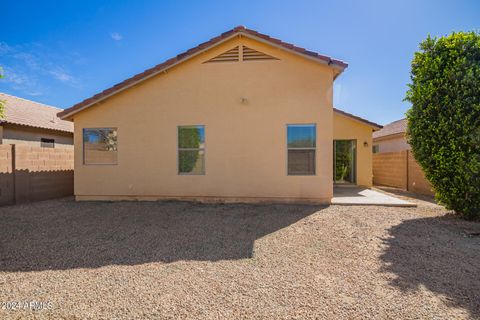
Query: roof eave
[
  {"x": 3, "y": 122},
  {"x": 390, "y": 136},
  {"x": 373, "y": 125},
  {"x": 333, "y": 63}
]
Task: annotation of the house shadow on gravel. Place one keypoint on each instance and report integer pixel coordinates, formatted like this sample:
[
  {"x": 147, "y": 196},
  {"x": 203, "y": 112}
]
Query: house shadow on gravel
[
  {"x": 440, "y": 253},
  {"x": 60, "y": 235}
]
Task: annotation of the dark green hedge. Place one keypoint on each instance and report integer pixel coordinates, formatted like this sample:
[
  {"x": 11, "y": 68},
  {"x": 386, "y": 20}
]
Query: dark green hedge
[{"x": 444, "y": 121}]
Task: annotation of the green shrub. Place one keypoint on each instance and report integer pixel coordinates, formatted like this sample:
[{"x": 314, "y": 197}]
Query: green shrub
[{"x": 444, "y": 120}]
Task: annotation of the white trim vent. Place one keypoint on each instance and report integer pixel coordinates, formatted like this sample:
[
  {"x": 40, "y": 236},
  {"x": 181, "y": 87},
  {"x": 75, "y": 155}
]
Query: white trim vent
[
  {"x": 232, "y": 55},
  {"x": 252, "y": 54}
]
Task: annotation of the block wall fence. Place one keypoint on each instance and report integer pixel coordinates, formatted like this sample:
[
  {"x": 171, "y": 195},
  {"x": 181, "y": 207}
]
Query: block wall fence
[
  {"x": 400, "y": 170},
  {"x": 34, "y": 173}
]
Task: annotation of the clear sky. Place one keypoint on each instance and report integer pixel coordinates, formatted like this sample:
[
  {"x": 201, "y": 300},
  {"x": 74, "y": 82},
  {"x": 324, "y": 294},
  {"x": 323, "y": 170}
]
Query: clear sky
[{"x": 61, "y": 52}]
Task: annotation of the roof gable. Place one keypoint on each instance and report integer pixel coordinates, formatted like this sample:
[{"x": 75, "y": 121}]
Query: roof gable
[{"x": 337, "y": 65}]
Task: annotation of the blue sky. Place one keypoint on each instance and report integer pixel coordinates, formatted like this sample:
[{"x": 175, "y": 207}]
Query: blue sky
[{"x": 60, "y": 52}]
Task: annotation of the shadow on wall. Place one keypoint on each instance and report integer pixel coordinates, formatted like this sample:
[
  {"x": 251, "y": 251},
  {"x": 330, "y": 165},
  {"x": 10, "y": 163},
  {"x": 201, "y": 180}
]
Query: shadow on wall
[
  {"x": 441, "y": 254},
  {"x": 63, "y": 234},
  {"x": 26, "y": 185}
]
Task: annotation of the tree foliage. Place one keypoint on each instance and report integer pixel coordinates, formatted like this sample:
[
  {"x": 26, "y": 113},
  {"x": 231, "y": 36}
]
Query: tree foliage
[{"x": 444, "y": 120}]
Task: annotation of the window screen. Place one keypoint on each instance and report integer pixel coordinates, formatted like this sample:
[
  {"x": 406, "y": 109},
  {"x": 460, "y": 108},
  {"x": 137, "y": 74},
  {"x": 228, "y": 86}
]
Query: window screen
[
  {"x": 191, "y": 150},
  {"x": 100, "y": 146},
  {"x": 301, "y": 145}
]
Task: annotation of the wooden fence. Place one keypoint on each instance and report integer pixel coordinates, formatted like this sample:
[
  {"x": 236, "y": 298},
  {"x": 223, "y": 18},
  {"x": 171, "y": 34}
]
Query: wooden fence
[
  {"x": 400, "y": 170},
  {"x": 34, "y": 173}
]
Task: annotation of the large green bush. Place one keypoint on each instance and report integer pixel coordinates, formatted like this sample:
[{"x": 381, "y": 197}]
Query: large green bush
[{"x": 444, "y": 121}]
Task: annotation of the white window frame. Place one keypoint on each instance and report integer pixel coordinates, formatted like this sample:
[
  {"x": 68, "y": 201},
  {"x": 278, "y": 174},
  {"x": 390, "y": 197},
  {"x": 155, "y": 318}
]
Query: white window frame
[
  {"x": 314, "y": 125},
  {"x": 192, "y": 149},
  {"x": 83, "y": 147}
]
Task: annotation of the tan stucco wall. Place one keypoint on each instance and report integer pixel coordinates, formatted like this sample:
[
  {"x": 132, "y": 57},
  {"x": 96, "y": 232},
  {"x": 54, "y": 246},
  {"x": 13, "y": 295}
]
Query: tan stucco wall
[
  {"x": 392, "y": 143},
  {"x": 245, "y": 143},
  {"x": 345, "y": 128},
  {"x": 14, "y": 134}
]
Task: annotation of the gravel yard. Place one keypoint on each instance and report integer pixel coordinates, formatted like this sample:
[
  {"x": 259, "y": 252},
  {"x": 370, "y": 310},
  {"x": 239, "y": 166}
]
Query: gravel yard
[{"x": 130, "y": 260}]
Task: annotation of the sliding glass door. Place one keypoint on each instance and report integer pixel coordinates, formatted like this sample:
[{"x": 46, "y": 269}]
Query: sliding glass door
[{"x": 344, "y": 161}]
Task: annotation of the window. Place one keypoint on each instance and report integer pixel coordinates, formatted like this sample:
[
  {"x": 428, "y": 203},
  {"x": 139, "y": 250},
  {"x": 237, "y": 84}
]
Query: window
[
  {"x": 301, "y": 145},
  {"x": 191, "y": 150},
  {"x": 47, "y": 143},
  {"x": 100, "y": 146},
  {"x": 375, "y": 148}
]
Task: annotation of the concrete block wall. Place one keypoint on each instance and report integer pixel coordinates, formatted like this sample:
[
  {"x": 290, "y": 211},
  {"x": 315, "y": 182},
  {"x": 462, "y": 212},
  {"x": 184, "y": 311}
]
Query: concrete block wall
[
  {"x": 400, "y": 170},
  {"x": 35, "y": 173},
  {"x": 390, "y": 169},
  {"x": 7, "y": 185},
  {"x": 416, "y": 177}
]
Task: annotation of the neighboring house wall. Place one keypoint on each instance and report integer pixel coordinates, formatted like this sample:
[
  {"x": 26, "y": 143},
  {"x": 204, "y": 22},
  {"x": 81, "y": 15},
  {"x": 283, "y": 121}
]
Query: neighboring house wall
[
  {"x": 348, "y": 129},
  {"x": 246, "y": 146},
  {"x": 392, "y": 143},
  {"x": 16, "y": 134}
]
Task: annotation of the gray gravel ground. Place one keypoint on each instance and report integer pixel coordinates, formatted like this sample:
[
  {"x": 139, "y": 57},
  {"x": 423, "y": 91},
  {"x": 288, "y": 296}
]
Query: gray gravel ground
[{"x": 128, "y": 260}]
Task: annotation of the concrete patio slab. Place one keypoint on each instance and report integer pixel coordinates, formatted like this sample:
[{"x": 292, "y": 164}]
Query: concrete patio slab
[{"x": 362, "y": 196}]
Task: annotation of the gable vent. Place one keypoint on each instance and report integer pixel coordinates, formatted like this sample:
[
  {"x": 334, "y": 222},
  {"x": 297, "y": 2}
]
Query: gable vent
[
  {"x": 230, "y": 55},
  {"x": 251, "y": 54}
]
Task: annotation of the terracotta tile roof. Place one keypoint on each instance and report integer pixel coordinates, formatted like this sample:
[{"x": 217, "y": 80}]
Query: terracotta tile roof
[
  {"x": 340, "y": 65},
  {"x": 33, "y": 114},
  {"x": 399, "y": 126},
  {"x": 376, "y": 126}
]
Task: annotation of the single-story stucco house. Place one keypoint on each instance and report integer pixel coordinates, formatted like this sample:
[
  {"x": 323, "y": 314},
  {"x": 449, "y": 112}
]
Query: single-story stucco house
[
  {"x": 241, "y": 117},
  {"x": 35, "y": 124}
]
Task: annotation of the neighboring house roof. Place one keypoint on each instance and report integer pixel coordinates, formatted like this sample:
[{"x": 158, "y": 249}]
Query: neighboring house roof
[
  {"x": 240, "y": 30},
  {"x": 396, "y": 127},
  {"x": 374, "y": 125},
  {"x": 33, "y": 114}
]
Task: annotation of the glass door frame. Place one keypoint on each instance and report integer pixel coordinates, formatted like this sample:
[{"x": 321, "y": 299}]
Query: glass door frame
[{"x": 353, "y": 149}]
